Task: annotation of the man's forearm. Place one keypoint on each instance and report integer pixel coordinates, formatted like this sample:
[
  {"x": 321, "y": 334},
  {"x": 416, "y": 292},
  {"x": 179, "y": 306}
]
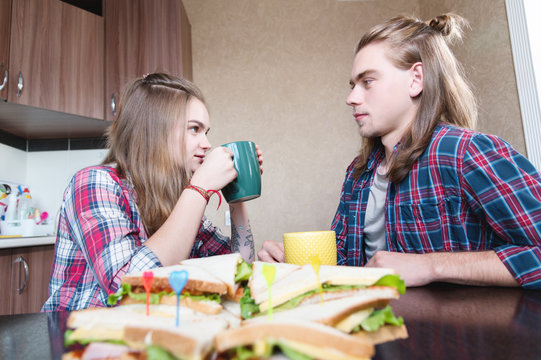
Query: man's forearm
[{"x": 471, "y": 268}]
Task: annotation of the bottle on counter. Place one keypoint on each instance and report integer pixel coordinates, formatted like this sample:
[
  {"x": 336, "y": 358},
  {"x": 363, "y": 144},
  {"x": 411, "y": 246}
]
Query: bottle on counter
[
  {"x": 24, "y": 207},
  {"x": 11, "y": 210}
]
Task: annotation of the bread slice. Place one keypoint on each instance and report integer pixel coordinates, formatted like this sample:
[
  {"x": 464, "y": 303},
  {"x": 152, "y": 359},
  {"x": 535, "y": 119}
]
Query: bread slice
[
  {"x": 223, "y": 267},
  {"x": 334, "y": 311},
  {"x": 192, "y": 339},
  {"x": 312, "y": 339},
  {"x": 257, "y": 283},
  {"x": 199, "y": 280},
  {"x": 304, "y": 279},
  {"x": 191, "y": 342}
]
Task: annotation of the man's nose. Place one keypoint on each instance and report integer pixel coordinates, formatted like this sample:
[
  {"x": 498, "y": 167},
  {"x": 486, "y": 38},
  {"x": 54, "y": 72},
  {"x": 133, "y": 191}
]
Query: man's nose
[{"x": 354, "y": 97}]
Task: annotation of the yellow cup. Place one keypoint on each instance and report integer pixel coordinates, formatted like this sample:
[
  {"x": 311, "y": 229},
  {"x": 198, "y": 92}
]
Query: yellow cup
[{"x": 300, "y": 246}]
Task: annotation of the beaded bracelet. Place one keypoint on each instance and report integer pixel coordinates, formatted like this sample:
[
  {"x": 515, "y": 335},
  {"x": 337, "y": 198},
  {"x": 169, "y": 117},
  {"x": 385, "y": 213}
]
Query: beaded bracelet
[{"x": 205, "y": 193}]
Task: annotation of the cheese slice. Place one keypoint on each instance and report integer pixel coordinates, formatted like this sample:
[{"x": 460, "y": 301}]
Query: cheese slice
[{"x": 349, "y": 323}]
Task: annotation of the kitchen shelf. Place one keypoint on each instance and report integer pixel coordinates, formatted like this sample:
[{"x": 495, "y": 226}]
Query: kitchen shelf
[{"x": 29, "y": 123}]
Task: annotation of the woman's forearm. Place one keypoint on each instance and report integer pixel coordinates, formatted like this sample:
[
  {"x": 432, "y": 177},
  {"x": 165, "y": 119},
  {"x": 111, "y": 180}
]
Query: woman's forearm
[{"x": 242, "y": 240}]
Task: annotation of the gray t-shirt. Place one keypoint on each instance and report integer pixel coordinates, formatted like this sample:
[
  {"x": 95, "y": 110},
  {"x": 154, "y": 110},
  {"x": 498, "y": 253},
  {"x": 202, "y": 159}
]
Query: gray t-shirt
[{"x": 374, "y": 218}]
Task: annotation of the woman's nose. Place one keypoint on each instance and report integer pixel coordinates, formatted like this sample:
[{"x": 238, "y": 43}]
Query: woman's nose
[{"x": 205, "y": 143}]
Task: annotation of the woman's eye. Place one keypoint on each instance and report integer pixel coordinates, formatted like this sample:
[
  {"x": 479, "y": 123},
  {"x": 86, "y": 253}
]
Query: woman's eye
[{"x": 193, "y": 129}]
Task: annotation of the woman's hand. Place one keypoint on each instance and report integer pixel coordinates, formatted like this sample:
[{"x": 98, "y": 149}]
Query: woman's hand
[
  {"x": 259, "y": 157},
  {"x": 216, "y": 171}
]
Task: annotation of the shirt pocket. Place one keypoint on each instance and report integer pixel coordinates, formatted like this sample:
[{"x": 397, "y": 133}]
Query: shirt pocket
[{"x": 418, "y": 226}]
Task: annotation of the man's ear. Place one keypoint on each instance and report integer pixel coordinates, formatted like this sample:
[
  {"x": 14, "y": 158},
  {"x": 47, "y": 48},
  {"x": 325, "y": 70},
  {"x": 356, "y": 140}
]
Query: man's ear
[{"x": 416, "y": 79}]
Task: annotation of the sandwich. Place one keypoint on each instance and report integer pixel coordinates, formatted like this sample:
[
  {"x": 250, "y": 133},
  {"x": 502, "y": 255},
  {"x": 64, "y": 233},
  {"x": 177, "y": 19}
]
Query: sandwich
[
  {"x": 126, "y": 332},
  {"x": 367, "y": 315},
  {"x": 202, "y": 291},
  {"x": 230, "y": 268},
  {"x": 299, "y": 286},
  {"x": 208, "y": 280},
  {"x": 296, "y": 339}
]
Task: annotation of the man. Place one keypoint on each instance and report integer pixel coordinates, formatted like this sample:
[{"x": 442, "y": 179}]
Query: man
[{"x": 426, "y": 195}]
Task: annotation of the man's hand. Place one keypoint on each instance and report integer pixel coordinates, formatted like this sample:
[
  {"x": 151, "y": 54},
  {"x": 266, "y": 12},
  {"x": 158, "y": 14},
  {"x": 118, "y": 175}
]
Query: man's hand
[
  {"x": 412, "y": 268},
  {"x": 271, "y": 251}
]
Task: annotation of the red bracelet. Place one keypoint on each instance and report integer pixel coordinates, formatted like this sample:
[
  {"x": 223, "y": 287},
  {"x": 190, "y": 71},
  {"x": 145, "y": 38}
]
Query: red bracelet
[{"x": 205, "y": 193}]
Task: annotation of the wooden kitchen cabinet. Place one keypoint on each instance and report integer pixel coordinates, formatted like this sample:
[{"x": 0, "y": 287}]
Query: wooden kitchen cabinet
[
  {"x": 5, "y": 281},
  {"x": 141, "y": 37},
  {"x": 57, "y": 51},
  {"x": 18, "y": 297},
  {"x": 5, "y": 14}
]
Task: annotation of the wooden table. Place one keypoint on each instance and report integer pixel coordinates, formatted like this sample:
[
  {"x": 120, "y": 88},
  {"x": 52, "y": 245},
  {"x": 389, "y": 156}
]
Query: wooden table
[{"x": 444, "y": 322}]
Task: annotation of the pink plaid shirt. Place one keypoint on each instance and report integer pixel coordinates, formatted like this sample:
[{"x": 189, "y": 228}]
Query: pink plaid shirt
[{"x": 101, "y": 237}]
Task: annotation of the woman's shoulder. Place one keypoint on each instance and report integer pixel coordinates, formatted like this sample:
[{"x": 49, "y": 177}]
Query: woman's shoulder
[{"x": 96, "y": 174}]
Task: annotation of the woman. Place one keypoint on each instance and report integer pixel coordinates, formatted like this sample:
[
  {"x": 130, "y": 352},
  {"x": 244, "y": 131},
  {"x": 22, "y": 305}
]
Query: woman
[{"x": 144, "y": 206}]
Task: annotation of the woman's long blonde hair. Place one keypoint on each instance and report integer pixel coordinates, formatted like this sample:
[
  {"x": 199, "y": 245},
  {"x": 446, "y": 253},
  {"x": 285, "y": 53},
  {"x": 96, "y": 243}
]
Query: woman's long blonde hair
[
  {"x": 144, "y": 144},
  {"x": 446, "y": 96}
]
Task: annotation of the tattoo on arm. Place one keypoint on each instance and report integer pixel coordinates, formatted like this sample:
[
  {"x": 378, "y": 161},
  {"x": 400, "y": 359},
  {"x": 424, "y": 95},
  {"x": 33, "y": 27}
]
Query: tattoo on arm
[
  {"x": 235, "y": 239},
  {"x": 243, "y": 235}
]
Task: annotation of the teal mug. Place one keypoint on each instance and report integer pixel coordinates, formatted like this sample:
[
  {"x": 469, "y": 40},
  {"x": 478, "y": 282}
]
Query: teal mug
[{"x": 247, "y": 185}]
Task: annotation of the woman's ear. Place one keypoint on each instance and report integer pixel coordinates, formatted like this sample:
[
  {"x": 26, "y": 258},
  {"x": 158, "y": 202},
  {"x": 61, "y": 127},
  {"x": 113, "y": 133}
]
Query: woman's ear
[{"x": 417, "y": 79}]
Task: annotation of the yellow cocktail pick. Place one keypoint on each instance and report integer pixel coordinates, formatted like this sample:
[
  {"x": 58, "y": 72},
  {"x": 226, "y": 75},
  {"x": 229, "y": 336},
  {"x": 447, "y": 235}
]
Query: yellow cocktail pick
[
  {"x": 269, "y": 272},
  {"x": 316, "y": 263}
]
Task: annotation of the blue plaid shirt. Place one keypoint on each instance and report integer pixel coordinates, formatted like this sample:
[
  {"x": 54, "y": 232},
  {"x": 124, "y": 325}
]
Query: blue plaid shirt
[{"x": 467, "y": 192}]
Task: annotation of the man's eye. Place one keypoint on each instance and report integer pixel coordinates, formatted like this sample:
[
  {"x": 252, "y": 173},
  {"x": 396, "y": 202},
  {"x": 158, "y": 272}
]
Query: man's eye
[{"x": 367, "y": 82}]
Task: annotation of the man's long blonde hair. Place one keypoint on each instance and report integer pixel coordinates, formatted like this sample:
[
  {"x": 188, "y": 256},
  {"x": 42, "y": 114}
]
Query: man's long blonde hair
[
  {"x": 446, "y": 96},
  {"x": 144, "y": 144}
]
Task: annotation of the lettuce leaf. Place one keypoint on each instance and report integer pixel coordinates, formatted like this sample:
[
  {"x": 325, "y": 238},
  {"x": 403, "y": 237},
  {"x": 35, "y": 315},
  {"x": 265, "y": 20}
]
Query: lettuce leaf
[
  {"x": 244, "y": 271},
  {"x": 248, "y": 307},
  {"x": 247, "y": 352},
  {"x": 393, "y": 281},
  {"x": 292, "y": 353},
  {"x": 154, "y": 352},
  {"x": 69, "y": 342},
  {"x": 155, "y": 298},
  {"x": 378, "y": 318}
]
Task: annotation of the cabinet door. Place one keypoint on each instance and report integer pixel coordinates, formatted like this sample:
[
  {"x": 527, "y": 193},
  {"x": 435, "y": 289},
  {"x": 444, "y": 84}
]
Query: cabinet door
[
  {"x": 34, "y": 292},
  {"x": 5, "y": 13},
  {"x": 56, "y": 51},
  {"x": 142, "y": 37},
  {"x": 5, "y": 281}
]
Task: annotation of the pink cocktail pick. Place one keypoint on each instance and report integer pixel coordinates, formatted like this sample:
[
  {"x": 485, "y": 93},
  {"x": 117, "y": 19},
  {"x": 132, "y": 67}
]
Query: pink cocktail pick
[{"x": 148, "y": 278}]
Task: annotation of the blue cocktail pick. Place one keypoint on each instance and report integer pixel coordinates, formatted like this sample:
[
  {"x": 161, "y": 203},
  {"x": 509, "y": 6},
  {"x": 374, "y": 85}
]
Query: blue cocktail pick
[{"x": 178, "y": 280}]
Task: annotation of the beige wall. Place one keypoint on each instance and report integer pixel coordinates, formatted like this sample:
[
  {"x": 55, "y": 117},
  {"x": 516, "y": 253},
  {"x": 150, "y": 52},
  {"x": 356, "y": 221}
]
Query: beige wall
[
  {"x": 487, "y": 59},
  {"x": 277, "y": 71}
]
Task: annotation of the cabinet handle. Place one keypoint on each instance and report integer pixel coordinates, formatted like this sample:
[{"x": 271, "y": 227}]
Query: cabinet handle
[
  {"x": 5, "y": 78},
  {"x": 20, "y": 84},
  {"x": 113, "y": 105},
  {"x": 20, "y": 259}
]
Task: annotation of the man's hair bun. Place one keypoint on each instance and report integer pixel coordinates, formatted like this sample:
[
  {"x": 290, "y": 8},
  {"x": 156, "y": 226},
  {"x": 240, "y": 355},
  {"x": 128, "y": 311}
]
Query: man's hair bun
[{"x": 449, "y": 25}]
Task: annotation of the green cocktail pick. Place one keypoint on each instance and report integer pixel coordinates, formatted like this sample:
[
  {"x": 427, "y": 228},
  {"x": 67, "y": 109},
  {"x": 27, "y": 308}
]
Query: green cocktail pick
[{"x": 269, "y": 272}]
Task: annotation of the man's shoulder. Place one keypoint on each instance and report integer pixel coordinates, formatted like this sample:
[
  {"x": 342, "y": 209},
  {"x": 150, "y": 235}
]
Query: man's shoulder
[
  {"x": 449, "y": 139},
  {"x": 446, "y": 132}
]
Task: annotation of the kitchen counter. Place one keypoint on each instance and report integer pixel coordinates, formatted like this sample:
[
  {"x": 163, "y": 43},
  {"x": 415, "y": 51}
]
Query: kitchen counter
[{"x": 17, "y": 242}]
